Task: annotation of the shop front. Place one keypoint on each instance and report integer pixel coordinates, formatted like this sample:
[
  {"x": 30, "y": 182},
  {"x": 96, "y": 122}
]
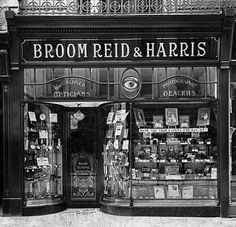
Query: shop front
[{"x": 132, "y": 121}]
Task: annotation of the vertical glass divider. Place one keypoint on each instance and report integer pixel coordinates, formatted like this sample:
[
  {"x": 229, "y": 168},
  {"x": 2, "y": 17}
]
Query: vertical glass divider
[{"x": 131, "y": 153}]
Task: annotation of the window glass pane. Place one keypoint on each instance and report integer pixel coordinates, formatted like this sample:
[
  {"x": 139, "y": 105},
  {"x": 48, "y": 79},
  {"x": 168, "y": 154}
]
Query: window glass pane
[
  {"x": 146, "y": 88},
  {"x": 199, "y": 75},
  {"x": 159, "y": 75},
  {"x": 29, "y": 90},
  {"x": 99, "y": 84},
  {"x": 42, "y": 154},
  {"x": 211, "y": 75},
  {"x": 172, "y": 72},
  {"x": 186, "y": 71},
  {"x": 114, "y": 79},
  {"x": 43, "y": 87},
  {"x": 81, "y": 84}
]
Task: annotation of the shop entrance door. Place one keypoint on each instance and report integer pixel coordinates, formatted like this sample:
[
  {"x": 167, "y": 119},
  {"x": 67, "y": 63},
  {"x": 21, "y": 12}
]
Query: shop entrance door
[{"x": 83, "y": 158}]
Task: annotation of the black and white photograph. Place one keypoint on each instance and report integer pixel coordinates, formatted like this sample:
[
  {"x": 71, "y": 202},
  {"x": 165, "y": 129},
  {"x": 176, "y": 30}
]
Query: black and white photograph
[{"x": 117, "y": 113}]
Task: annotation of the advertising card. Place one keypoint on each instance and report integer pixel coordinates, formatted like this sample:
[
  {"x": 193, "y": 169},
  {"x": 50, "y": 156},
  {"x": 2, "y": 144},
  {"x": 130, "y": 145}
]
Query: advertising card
[
  {"x": 187, "y": 192},
  {"x": 184, "y": 121},
  {"x": 42, "y": 161},
  {"x": 32, "y": 116},
  {"x": 53, "y": 117},
  {"x": 173, "y": 191},
  {"x": 203, "y": 116},
  {"x": 158, "y": 121},
  {"x": 118, "y": 130},
  {"x": 171, "y": 170},
  {"x": 110, "y": 118},
  {"x": 139, "y": 117},
  {"x": 159, "y": 192},
  {"x": 171, "y": 116}
]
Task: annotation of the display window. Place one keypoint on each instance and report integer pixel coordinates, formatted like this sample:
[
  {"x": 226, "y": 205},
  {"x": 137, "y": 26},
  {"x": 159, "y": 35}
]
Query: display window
[
  {"x": 42, "y": 154},
  {"x": 160, "y": 152}
]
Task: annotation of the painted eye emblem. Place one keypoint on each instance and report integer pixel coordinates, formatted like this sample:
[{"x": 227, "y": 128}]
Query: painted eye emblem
[{"x": 130, "y": 83}]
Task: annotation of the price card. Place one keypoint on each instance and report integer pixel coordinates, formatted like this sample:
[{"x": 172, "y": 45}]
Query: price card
[
  {"x": 126, "y": 133},
  {"x": 213, "y": 173},
  {"x": 42, "y": 161},
  {"x": 125, "y": 145},
  {"x": 118, "y": 130},
  {"x": 32, "y": 116},
  {"x": 116, "y": 144},
  {"x": 43, "y": 134},
  {"x": 53, "y": 117},
  {"x": 110, "y": 118}
]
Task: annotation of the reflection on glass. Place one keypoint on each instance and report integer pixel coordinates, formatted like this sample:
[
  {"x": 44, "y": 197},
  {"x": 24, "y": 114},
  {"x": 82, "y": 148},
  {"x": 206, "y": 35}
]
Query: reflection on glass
[{"x": 42, "y": 154}]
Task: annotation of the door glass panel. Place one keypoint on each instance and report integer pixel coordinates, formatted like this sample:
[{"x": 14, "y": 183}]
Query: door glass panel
[{"x": 82, "y": 155}]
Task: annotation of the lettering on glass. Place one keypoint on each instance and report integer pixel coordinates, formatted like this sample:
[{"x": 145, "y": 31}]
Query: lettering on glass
[{"x": 179, "y": 87}]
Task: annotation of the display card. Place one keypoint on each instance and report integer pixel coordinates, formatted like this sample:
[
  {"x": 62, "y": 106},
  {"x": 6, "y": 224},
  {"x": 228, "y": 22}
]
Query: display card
[
  {"x": 139, "y": 117},
  {"x": 158, "y": 121},
  {"x": 159, "y": 192},
  {"x": 110, "y": 118},
  {"x": 203, "y": 116},
  {"x": 53, "y": 117},
  {"x": 184, "y": 121},
  {"x": 32, "y": 116},
  {"x": 173, "y": 191},
  {"x": 187, "y": 192},
  {"x": 42, "y": 161},
  {"x": 171, "y": 116}
]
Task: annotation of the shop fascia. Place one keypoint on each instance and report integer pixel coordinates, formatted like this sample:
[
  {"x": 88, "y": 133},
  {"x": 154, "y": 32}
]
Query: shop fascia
[
  {"x": 52, "y": 50},
  {"x": 119, "y": 50}
]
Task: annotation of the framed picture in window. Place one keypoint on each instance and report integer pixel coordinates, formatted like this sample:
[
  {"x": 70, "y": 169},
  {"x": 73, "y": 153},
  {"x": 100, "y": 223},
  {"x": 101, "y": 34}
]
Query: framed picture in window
[
  {"x": 139, "y": 117},
  {"x": 158, "y": 121},
  {"x": 184, "y": 121},
  {"x": 171, "y": 116},
  {"x": 203, "y": 118}
]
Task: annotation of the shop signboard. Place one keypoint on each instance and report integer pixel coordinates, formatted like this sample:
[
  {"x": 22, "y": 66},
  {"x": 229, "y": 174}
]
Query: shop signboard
[
  {"x": 82, "y": 50},
  {"x": 180, "y": 87}
]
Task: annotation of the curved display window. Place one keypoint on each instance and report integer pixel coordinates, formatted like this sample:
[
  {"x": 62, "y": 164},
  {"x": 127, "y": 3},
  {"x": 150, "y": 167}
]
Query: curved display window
[
  {"x": 42, "y": 154},
  {"x": 160, "y": 153}
]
